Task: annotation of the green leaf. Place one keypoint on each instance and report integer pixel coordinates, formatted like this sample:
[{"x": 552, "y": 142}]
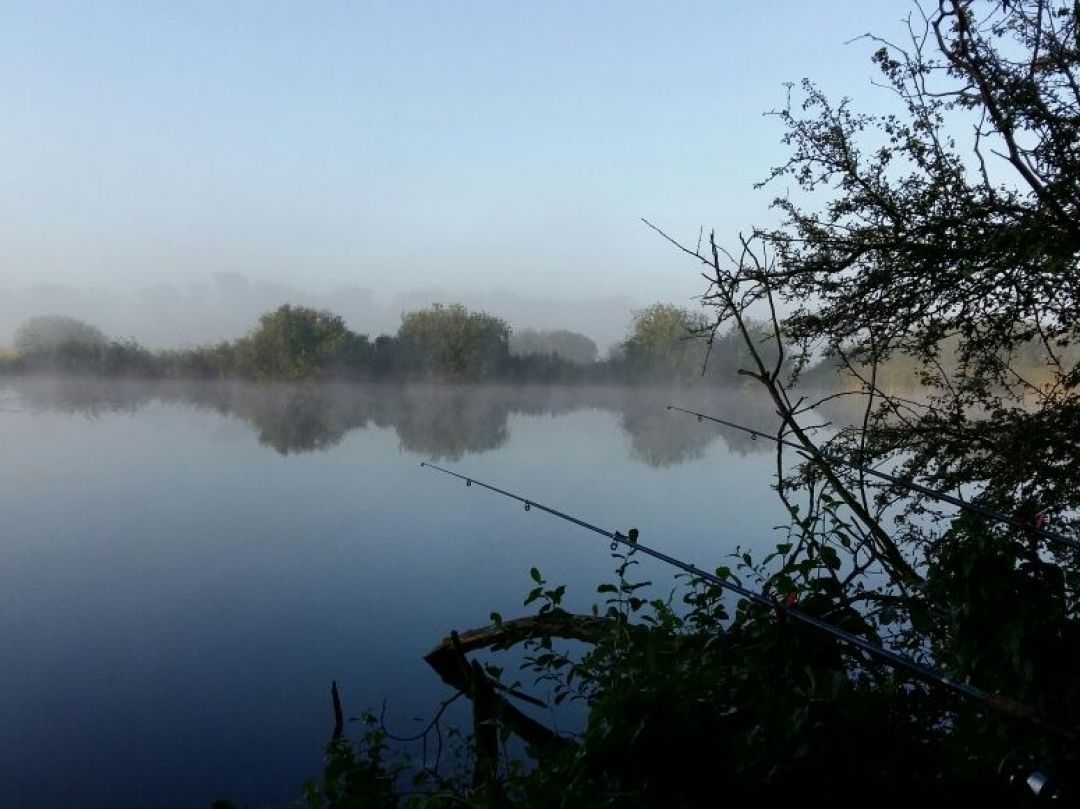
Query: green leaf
[
  {"x": 535, "y": 575},
  {"x": 830, "y": 557}
]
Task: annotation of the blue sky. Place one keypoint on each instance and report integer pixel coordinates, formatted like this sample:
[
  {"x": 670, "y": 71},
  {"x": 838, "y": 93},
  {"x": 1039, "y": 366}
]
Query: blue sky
[{"x": 397, "y": 146}]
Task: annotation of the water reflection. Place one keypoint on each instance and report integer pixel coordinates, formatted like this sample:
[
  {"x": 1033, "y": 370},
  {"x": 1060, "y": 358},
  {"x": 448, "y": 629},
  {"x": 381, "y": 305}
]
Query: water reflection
[
  {"x": 439, "y": 422},
  {"x": 664, "y": 442}
]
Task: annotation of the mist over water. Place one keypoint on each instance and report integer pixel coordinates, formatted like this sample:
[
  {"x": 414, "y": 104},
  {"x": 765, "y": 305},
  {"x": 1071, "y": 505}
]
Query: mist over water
[{"x": 184, "y": 568}]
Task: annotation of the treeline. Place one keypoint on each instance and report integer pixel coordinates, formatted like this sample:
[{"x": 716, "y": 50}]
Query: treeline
[
  {"x": 440, "y": 343},
  {"x": 1023, "y": 360},
  {"x": 664, "y": 344}
]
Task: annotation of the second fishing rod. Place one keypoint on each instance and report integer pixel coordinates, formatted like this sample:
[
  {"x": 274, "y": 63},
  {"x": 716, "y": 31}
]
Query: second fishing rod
[
  {"x": 992, "y": 702},
  {"x": 943, "y": 497}
]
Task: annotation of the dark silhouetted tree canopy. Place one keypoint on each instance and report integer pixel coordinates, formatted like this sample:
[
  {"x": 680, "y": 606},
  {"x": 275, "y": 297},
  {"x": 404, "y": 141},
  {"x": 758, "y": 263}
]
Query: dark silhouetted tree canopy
[{"x": 948, "y": 234}]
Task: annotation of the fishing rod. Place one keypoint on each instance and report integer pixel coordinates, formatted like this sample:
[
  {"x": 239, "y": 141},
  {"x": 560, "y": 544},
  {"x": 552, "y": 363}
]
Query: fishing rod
[
  {"x": 1032, "y": 529},
  {"x": 1000, "y": 705}
]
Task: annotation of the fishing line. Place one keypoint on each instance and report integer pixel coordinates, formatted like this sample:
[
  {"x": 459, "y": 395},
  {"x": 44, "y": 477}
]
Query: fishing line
[
  {"x": 994, "y": 703},
  {"x": 967, "y": 505}
]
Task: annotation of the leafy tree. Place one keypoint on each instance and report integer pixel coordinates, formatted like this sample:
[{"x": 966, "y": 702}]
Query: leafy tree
[
  {"x": 943, "y": 237},
  {"x": 728, "y": 354},
  {"x": 60, "y": 343},
  {"x": 65, "y": 344},
  {"x": 927, "y": 237},
  {"x": 567, "y": 345},
  {"x": 913, "y": 240},
  {"x": 385, "y": 355},
  {"x": 47, "y": 334},
  {"x": 201, "y": 362},
  {"x": 454, "y": 343},
  {"x": 296, "y": 342},
  {"x": 665, "y": 341}
]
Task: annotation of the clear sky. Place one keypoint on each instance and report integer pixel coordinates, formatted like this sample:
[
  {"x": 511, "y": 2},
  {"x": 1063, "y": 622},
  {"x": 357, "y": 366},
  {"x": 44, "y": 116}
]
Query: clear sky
[{"x": 470, "y": 147}]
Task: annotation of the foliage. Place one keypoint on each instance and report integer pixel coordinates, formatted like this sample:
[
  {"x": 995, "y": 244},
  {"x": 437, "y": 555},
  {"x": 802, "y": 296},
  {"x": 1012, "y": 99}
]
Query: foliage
[
  {"x": 909, "y": 252},
  {"x": 59, "y": 343},
  {"x": 452, "y": 342},
  {"x": 959, "y": 265},
  {"x": 662, "y": 342},
  {"x": 698, "y": 699},
  {"x": 961, "y": 257},
  {"x": 903, "y": 373},
  {"x": 201, "y": 362},
  {"x": 47, "y": 334},
  {"x": 356, "y": 776},
  {"x": 566, "y": 345},
  {"x": 295, "y": 342},
  {"x": 728, "y": 355}
]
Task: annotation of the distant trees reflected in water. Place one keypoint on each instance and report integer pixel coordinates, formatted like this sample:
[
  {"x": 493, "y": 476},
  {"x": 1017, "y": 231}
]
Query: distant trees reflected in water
[{"x": 443, "y": 422}]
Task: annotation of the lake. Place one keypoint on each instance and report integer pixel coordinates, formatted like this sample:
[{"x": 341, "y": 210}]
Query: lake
[{"x": 185, "y": 568}]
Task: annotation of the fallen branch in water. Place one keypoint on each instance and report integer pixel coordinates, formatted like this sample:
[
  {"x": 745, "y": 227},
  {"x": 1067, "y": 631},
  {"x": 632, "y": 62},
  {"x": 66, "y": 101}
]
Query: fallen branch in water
[{"x": 449, "y": 661}]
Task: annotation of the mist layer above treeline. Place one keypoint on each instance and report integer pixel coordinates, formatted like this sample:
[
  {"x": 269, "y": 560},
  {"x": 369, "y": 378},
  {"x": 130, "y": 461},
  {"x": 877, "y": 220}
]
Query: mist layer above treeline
[{"x": 438, "y": 343}]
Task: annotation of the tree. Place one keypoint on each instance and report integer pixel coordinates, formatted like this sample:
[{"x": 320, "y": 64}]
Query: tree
[
  {"x": 46, "y": 334},
  {"x": 944, "y": 235},
  {"x": 295, "y": 342},
  {"x": 927, "y": 244},
  {"x": 663, "y": 342},
  {"x": 65, "y": 344},
  {"x": 567, "y": 345},
  {"x": 918, "y": 244},
  {"x": 452, "y": 342},
  {"x": 62, "y": 343},
  {"x": 727, "y": 354}
]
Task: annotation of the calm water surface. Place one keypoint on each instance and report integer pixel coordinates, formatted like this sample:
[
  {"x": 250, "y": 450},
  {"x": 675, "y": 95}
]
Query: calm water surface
[{"x": 183, "y": 570}]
